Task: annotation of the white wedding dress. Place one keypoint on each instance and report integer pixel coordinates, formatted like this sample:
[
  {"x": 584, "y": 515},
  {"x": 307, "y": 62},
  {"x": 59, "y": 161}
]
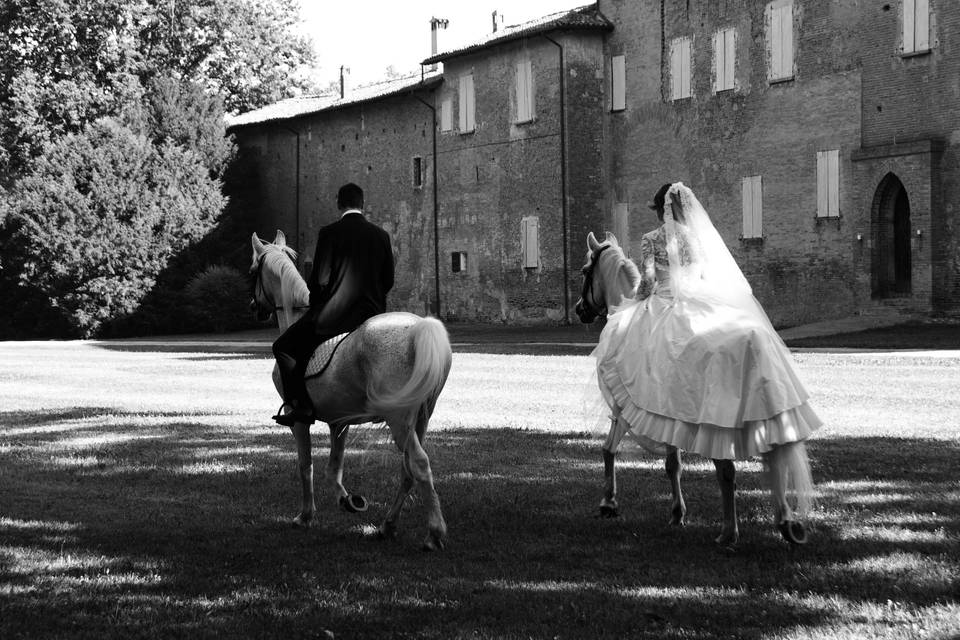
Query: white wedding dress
[{"x": 696, "y": 363}]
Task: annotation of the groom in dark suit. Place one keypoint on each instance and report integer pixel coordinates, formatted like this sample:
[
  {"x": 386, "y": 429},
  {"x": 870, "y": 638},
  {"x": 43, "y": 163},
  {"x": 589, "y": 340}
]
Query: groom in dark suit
[{"x": 352, "y": 273}]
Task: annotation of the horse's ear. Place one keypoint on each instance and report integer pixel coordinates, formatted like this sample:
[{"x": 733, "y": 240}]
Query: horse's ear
[
  {"x": 280, "y": 240},
  {"x": 612, "y": 239},
  {"x": 592, "y": 243},
  {"x": 257, "y": 244}
]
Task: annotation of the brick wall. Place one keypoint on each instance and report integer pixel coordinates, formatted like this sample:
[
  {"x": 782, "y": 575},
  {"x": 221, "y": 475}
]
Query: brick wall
[{"x": 804, "y": 269}]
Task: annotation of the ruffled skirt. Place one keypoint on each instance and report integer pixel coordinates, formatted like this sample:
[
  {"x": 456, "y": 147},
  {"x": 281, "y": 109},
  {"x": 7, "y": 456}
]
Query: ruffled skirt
[{"x": 704, "y": 377}]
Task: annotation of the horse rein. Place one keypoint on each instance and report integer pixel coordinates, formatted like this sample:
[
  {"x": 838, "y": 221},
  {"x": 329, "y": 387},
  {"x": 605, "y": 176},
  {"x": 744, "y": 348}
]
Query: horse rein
[
  {"x": 586, "y": 293},
  {"x": 258, "y": 288}
]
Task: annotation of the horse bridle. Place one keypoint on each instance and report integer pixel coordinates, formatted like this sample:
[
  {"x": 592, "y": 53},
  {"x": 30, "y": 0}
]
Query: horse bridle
[
  {"x": 259, "y": 288},
  {"x": 586, "y": 292}
]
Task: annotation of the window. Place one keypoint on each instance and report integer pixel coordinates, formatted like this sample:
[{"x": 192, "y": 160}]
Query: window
[
  {"x": 680, "y": 68},
  {"x": 417, "y": 171},
  {"x": 618, "y": 83},
  {"x": 446, "y": 114},
  {"x": 724, "y": 56},
  {"x": 467, "y": 113},
  {"x": 525, "y": 91},
  {"x": 458, "y": 261},
  {"x": 780, "y": 39},
  {"x": 752, "y": 207},
  {"x": 828, "y": 183},
  {"x": 916, "y": 26},
  {"x": 530, "y": 242}
]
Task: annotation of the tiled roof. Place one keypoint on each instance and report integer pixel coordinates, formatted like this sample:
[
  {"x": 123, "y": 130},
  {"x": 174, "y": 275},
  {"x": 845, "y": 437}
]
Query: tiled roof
[
  {"x": 305, "y": 105},
  {"x": 586, "y": 18}
]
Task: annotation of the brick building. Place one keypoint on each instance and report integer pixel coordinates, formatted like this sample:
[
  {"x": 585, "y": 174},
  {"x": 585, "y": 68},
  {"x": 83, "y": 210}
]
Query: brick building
[{"x": 821, "y": 135}]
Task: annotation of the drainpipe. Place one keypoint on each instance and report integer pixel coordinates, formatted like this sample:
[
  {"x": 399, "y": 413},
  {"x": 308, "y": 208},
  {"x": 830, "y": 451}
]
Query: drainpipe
[
  {"x": 436, "y": 209},
  {"x": 563, "y": 182},
  {"x": 297, "y": 188}
]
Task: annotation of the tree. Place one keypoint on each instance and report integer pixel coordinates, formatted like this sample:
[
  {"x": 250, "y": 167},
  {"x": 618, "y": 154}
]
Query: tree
[{"x": 100, "y": 216}]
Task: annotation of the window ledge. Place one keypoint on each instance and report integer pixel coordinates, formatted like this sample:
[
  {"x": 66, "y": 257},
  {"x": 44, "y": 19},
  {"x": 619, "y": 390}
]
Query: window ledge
[
  {"x": 467, "y": 133},
  {"x": 916, "y": 54},
  {"x": 785, "y": 80},
  {"x": 621, "y": 110},
  {"x": 756, "y": 241},
  {"x": 821, "y": 220},
  {"x": 527, "y": 121}
]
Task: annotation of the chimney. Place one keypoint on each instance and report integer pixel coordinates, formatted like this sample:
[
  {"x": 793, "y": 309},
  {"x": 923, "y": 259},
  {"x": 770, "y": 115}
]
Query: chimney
[
  {"x": 435, "y": 25},
  {"x": 344, "y": 81},
  {"x": 497, "y": 20}
]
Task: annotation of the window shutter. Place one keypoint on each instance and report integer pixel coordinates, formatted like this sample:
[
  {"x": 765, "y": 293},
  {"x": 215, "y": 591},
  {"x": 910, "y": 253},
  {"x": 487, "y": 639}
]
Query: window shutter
[
  {"x": 446, "y": 114},
  {"x": 675, "y": 70},
  {"x": 685, "y": 67},
  {"x": 922, "y": 25},
  {"x": 909, "y": 26},
  {"x": 833, "y": 184},
  {"x": 729, "y": 58},
  {"x": 621, "y": 224},
  {"x": 618, "y": 72},
  {"x": 524, "y": 91},
  {"x": 823, "y": 181},
  {"x": 467, "y": 115},
  {"x": 719, "y": 64},
  {"x": 757, "y": 197},
  {"x": 747, "y": 191},
  {"x": 530, "y": 242},
  {"x": 786, "y": 41}
]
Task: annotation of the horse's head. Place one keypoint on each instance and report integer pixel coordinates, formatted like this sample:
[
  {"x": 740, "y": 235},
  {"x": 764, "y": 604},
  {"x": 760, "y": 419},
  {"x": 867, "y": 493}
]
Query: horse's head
[
  {"x": 262, "y": 284},
  {"x": 607, "y": 278}
]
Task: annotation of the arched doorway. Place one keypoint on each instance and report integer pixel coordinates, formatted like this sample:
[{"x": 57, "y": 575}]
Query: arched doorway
[{"x": 891, "y": 269}]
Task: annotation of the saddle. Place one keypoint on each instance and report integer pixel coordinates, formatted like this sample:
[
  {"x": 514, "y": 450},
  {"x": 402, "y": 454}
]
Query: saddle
[{"x": 322, "y": 356}]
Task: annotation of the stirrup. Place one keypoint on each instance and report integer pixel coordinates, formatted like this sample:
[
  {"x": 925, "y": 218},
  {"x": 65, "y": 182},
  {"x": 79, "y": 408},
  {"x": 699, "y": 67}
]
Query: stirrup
[{"x": 291, "y": 418}]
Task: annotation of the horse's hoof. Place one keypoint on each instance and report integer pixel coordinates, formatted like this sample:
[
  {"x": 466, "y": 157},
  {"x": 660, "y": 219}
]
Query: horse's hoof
[
  {"x": 302, "y": 522},
  {"x": 353, "y": 503},
  {"x": 728, "y": 540},
  {"x": 793, "y": 532},
  {"x": 677, "y": 518},
  {"x": 434, "y": 542}
]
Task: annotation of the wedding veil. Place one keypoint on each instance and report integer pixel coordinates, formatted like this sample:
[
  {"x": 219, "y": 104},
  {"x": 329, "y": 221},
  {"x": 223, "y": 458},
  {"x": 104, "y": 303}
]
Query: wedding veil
[{"x": 701, "y": 266}]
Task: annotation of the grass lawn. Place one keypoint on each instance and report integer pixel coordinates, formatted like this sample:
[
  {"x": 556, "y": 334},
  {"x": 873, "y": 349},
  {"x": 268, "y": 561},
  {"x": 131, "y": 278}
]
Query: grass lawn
[{"x": 145, "y": 494}]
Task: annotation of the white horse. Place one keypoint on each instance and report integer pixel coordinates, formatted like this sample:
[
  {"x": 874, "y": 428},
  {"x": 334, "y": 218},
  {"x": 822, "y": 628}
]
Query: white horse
[
  {"x": 609, "y": 277},
  {"x": 391, "y": 369}
]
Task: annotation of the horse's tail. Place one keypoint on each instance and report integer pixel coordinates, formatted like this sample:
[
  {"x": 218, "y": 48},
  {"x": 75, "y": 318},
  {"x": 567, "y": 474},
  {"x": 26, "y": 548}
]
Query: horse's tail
[
  {"x": 431, "y": 364},
  {"x": 792, "y": 458}
]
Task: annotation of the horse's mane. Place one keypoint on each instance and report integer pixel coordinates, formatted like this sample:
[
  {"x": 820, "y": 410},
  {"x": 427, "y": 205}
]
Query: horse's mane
[
  {"x": 610, "y": 268},
  {"x": 294, "y": 292}
]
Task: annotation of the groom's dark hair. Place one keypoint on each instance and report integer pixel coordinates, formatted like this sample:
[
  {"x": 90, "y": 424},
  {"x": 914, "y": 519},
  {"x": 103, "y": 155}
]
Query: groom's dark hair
[{"x": 350, "y": 196}]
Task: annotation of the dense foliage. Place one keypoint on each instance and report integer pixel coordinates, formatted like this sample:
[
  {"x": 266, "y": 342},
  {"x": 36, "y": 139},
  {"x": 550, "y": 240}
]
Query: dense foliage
[{"x": 112, "y": 144}]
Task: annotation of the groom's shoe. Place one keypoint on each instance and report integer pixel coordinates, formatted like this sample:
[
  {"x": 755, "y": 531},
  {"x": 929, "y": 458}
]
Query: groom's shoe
[{"x": 293, "y": 416}]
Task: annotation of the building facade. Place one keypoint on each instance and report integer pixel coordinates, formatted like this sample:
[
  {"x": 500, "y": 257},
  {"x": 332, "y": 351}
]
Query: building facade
[{"x": 821, "y": 136}]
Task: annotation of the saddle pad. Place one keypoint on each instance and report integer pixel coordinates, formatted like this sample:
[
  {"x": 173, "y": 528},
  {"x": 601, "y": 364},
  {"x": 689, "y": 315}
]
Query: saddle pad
[{"x": 322, "y": 355}]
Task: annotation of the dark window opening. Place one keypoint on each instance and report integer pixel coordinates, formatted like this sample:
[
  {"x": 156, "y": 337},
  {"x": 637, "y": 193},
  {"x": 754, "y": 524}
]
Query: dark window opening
[
  {"x": 417, "y": 171},
  {"x": 458, "y": 261}
]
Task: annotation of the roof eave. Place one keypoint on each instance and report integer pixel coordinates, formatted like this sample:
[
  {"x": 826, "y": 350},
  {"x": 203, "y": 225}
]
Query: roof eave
[
  {"x": 442, "y": 57},
  {"x": 427, "y": 83}
]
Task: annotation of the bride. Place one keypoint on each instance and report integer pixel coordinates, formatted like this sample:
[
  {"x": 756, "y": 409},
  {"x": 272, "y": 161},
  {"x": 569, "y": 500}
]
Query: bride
[{"x": 693, "y": 363}]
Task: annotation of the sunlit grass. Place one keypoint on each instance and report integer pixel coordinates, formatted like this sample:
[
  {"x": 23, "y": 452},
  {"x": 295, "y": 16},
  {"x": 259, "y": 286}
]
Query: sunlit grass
[{"x": 147, "y": 494}]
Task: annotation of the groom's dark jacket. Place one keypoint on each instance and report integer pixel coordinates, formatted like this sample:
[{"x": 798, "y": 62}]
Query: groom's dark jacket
[{"x": 352, "y": 273}]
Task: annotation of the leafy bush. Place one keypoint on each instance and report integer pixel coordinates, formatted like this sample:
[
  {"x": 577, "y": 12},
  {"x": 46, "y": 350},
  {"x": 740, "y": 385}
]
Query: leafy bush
[
  {"x": 217, "y": 300},
  {"x": 101, "y": 215}
]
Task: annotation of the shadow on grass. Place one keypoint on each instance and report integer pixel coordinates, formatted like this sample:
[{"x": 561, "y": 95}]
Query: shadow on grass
[{"x": 181, "y": 529}]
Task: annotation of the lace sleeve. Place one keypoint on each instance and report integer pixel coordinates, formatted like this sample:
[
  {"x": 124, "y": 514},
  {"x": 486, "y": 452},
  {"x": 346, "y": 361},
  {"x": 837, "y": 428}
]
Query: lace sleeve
[{"x": 648, "y": 274}]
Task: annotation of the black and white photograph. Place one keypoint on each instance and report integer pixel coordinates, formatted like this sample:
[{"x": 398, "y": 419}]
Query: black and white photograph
[{"x": 464, "y": 320}]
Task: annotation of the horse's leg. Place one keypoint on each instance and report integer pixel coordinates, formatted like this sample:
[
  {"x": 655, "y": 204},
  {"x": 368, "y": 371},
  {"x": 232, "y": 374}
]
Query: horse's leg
[
  {"x": 301, "y": 432},
  {"x": 609, "y": 507},
  {"x": 673, "y": 467},
  {"x": 726, "y": 476},
  {"x": 783, "y": 516},
  {"x": 388, "y": 529},
  {"x": 418, "y": 466}
]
